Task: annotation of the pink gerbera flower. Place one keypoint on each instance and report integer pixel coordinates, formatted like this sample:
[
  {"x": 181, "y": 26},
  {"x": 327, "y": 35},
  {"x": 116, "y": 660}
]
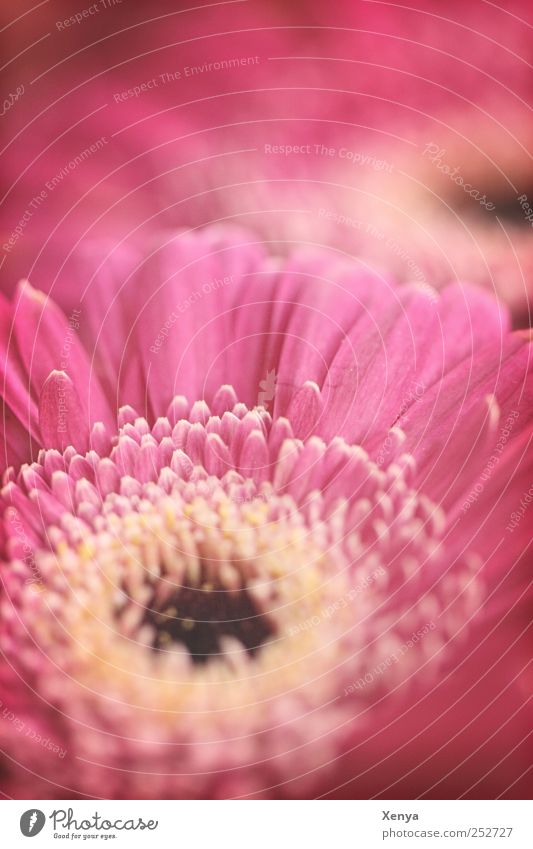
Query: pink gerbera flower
[{"x": 293, "y": 564}]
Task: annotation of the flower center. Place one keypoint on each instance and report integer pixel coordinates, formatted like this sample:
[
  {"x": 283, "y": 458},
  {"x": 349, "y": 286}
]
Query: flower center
[
  {"x": 201, "y": 573},
  {"x": 198, "y": 617},
  {"x": 222, "y": 558}
]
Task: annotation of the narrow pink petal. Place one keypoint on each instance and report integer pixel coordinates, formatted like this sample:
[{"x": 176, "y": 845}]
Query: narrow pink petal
[
  {"x": 61, "y": 417},
  {"x": 217, "y": 457},
  {"x": 254, "y": 458},
  {"x": 47, "y": 341},
  {"x": 107, "y": 477},
  {"x": 224, "y": 400},
  {"x": 305, "y": 409},
  {"x": 147, "y": 463},
  {"x": 181, "y": 464}
]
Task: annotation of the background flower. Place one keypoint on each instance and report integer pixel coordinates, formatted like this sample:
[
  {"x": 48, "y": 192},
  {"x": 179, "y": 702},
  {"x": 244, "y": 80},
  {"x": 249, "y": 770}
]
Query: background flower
[{"x": 187, "y": 101}]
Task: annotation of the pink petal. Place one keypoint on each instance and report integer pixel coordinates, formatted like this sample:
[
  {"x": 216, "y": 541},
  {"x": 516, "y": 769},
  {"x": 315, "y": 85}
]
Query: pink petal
[
  {"x": 61, "y": 418},
  {"x": 47, "y": 341}
]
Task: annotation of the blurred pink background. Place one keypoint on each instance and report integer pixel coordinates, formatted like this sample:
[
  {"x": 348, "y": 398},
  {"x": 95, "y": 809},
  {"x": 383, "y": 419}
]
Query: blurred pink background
[{"x": 185, "y": 106}]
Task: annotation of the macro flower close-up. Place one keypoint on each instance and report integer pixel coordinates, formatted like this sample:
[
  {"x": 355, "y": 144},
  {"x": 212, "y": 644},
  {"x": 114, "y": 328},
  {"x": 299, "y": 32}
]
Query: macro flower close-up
[
  {"x": 266, "y": 278},
  {"x": 288, "y": 544}
]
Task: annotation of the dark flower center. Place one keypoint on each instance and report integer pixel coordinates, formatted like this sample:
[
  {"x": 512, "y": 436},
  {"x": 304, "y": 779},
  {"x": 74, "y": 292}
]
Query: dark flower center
[{"x": 198, "y": 617}]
